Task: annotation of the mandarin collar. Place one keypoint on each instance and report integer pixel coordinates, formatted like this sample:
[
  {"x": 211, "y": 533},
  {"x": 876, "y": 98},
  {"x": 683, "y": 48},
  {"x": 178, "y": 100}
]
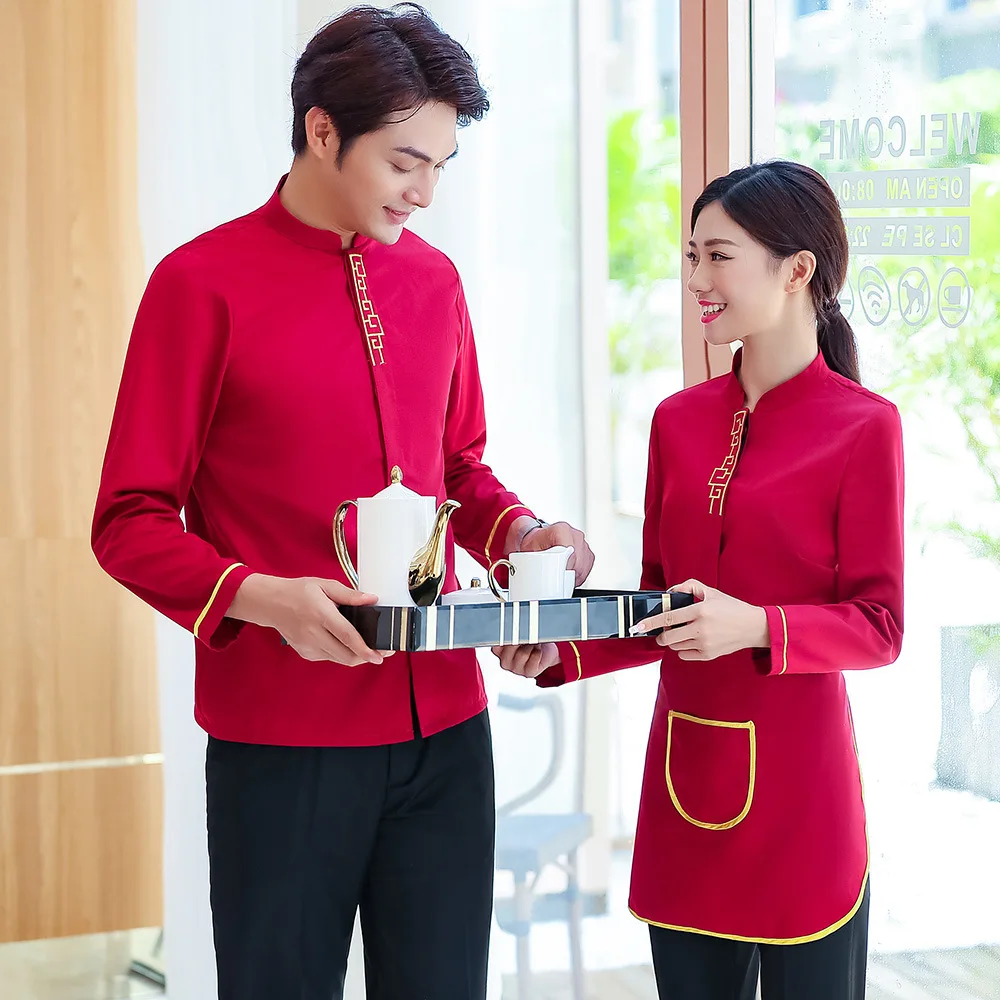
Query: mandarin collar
[
  {"x": 796, "y": 388},
  {"x": 278, "y": 217}
]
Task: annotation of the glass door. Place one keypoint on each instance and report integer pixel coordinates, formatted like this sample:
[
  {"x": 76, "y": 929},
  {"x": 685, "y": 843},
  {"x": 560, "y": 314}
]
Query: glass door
[
  {"x": 897, "y": 103},
  {"x": 643, "y": 313}
]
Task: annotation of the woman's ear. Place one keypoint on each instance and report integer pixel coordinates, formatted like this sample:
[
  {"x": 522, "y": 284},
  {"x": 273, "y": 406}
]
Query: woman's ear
[{"x": 803, "y": 267}]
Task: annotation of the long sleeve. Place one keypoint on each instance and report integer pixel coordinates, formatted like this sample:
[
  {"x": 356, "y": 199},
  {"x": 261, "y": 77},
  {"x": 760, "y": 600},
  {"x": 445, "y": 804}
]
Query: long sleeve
[
  {"x": 488, "y": 509},
  {"x": 579, "y": 660},
  {"x": 864, "y": 628},
  {"x": 170, "y": 384}
]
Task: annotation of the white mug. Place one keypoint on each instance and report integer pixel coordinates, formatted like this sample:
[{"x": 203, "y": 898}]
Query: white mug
[{"x": 534, "y": 576}]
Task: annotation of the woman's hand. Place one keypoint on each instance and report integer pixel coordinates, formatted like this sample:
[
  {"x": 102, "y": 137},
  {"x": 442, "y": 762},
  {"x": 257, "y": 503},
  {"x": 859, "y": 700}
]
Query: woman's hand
[
  {"x": 527, "y": 661},
  {"x": 715, "y": 625}
]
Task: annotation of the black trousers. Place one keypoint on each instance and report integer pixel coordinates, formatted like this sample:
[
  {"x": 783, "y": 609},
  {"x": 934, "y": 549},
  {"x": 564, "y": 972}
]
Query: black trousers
[
  {"x": 300, "y": 837},
  {"x": 698, "y": 967}
]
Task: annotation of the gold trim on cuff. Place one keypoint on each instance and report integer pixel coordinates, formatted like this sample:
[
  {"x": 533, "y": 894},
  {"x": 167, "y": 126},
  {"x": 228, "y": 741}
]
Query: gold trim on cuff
[
  {"x": 579, "y": 664},
  {"x": 211, "y": 600},
  {"x": 496, "y": 524},
  {"x": 784, "y": 640}
]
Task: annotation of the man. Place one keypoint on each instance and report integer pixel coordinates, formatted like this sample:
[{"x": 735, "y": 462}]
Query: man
[{"x": 278, "y": 365}]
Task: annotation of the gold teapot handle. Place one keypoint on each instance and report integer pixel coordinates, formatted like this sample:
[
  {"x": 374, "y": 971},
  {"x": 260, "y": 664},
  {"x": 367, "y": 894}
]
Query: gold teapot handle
[
  {"x": 340, "y": 543},
  {"x": 494, "y": 586}
]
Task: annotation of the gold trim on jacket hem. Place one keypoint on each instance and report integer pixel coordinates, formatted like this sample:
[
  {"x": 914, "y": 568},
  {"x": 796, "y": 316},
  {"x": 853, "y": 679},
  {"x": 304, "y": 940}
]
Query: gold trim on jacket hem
[{"x": 826, "y": 932}]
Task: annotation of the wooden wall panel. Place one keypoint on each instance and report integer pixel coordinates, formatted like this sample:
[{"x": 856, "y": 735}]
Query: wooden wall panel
[
  {"x": 78, "y": 677},
  {"x": 71, "y": 268},
  {"x": 705, "y": 88},
  {"x": 87, "y": 845},
  {"x": 79, "y": 849}
]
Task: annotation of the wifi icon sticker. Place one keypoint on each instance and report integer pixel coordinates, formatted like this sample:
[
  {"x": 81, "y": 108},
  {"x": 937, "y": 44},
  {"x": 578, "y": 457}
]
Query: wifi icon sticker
[{"x": 876, "y": 299}]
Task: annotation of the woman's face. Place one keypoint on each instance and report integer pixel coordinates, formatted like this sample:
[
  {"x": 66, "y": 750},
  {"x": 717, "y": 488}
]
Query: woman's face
[{"x": 741, "y": 289}]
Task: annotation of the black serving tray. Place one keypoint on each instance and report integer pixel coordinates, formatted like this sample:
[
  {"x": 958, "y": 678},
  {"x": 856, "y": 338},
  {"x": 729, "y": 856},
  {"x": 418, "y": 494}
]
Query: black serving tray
[{"x": 588, "y": 614}]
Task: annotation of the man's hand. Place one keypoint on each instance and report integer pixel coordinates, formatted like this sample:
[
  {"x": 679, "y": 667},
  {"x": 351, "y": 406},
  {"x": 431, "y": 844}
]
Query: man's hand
[
  {"x": 304, "y": 611},
  {"x": 715, "y": 625},
  {"x": 527, "y": 661},
  {"x": 526, "y": 536}
]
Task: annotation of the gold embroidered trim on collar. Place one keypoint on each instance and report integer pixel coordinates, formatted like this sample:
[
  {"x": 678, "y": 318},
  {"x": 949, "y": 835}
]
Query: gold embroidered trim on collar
[
  {"x": 371, "y": 325},
  {"x": 719, "y": 481}
]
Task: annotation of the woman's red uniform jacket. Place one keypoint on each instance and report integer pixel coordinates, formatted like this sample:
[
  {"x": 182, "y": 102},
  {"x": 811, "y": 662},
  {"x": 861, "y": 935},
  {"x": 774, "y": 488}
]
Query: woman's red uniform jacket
[{"x": 751, "y": 823}]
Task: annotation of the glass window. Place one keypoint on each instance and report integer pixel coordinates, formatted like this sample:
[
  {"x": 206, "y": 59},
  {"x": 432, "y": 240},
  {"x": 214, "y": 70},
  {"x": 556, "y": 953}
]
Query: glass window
[
  {"x": 898, "y": 104},
  {"x": 804, "y": 7},
  {"x": 644, "y": 317}
]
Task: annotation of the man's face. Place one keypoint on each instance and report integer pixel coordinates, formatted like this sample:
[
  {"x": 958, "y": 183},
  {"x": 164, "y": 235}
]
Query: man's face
[{"x": 388, "y": 174}]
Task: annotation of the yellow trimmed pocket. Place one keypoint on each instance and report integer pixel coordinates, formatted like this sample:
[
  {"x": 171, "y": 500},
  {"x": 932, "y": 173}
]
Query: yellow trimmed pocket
[{"x": 711, "y": 768}]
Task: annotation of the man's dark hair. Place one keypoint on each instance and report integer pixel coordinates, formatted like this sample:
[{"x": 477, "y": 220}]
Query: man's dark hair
[{"x": 369, "y": 64}]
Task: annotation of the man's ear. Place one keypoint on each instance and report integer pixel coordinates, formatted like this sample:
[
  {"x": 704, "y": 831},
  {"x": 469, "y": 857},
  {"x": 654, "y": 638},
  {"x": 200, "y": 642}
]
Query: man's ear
[{"x": 321, "y": 134}]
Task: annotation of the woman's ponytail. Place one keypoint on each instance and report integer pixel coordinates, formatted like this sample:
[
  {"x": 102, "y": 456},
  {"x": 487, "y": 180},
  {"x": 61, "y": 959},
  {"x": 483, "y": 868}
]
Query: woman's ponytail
[{"x": 836, "y": 341}]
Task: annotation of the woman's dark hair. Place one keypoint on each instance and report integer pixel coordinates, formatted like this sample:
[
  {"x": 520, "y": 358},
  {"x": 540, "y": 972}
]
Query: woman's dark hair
[
  {"x": 788, "y": 207},
  {"x": 369, "y": 64}
]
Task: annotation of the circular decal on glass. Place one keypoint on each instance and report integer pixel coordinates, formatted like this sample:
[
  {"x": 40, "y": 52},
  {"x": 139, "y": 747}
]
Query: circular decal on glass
[
  {"x": 954, "y": 297},
  {"x": 876, "y": 299},
  {"x": 914, "y": 294},
  {"x": 846, "y": 299}
]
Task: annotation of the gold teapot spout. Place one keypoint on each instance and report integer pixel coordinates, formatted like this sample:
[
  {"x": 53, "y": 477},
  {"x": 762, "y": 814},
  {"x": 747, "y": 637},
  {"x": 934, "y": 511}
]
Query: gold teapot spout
[{"x": 427, "y": 568}]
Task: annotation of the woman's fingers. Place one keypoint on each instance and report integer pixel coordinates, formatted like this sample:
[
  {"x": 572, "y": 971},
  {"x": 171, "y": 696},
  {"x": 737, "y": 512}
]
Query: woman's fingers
[{"x": 668, "y": 619}]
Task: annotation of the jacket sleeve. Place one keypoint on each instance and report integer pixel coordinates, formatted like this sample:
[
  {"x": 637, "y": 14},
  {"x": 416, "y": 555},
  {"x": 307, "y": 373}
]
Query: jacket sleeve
[
  {"x": 488, "y": 508},
  {"x": 864, "y": 628},
  {"x": 170, "y": 384},
  {"x": 579, "y": 660}
]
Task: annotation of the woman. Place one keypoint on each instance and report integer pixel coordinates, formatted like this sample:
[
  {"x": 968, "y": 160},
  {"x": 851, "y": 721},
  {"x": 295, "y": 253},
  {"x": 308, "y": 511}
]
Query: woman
[{"x": 776, "y": 493}]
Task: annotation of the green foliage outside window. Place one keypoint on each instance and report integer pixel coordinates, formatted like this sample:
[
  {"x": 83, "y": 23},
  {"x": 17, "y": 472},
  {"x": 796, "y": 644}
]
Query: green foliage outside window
[{"x": 959, "y": 368}]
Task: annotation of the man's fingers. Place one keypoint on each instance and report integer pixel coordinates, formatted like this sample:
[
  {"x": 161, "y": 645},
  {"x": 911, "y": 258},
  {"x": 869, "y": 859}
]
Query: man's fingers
[
  {"x": 345, "y": 634},
  {"x": 516, "y": 658},
  {"x": 533, "y": 663},
  {"x": 340, "y": 653},
  {"x": 526, "y": 661},
  {"x": 326, "y": 649},
  {"x": 505, "y": 654},
  {"x": 340, "y": 594},
  {"x": 561, "y": 534},
  {"x": 584, "y": 563},
  {"x": 521, "y": 657}
]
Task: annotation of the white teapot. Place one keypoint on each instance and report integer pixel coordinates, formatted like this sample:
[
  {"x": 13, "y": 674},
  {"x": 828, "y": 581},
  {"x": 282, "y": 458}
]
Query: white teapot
[{"x": 401, "y": 544}]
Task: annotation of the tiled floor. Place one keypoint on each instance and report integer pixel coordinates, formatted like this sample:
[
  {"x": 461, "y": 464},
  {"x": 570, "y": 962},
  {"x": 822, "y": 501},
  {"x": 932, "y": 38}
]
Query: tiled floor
[
  {"x": 960, "y": 974},
  {"x": 96, "y": 968},
  {"x": 92, "y": 967},
  {"x": 934, "y": 933}
]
